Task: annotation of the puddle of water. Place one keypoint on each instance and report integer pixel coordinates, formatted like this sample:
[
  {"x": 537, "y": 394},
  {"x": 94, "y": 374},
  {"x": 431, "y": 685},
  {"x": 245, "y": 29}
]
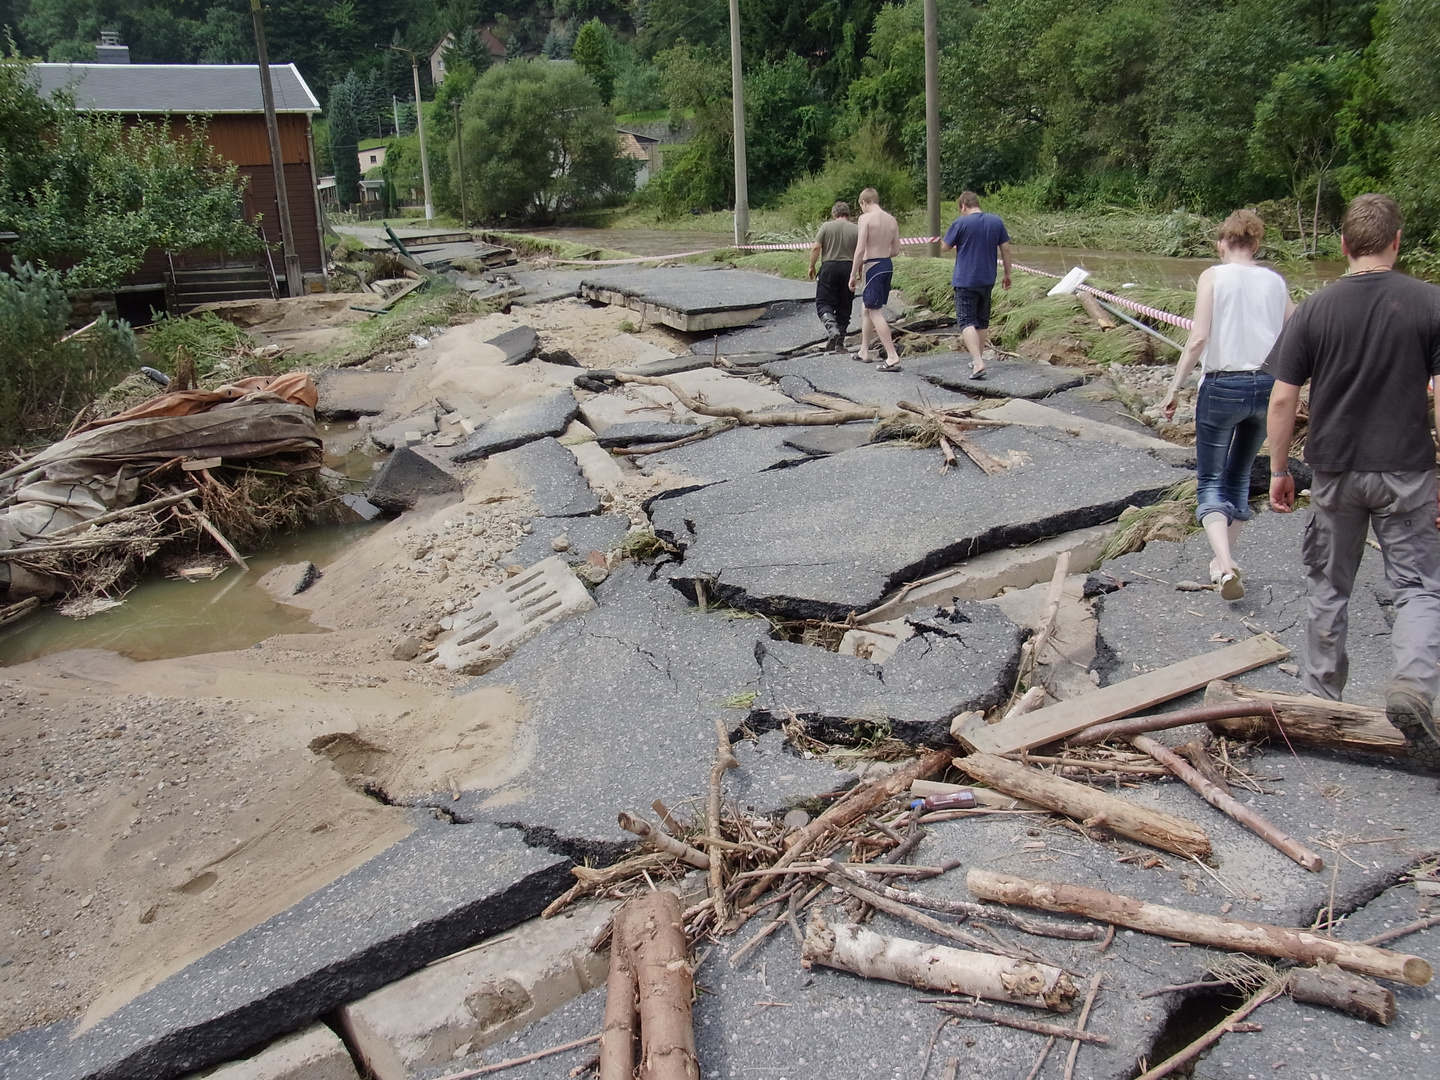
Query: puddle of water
[{"x": 163, "y": 618}]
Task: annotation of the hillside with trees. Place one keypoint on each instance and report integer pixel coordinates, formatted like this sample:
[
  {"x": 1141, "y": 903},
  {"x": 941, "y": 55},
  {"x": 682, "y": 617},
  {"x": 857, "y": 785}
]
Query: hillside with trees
[{"x": 1080, "y": 105}]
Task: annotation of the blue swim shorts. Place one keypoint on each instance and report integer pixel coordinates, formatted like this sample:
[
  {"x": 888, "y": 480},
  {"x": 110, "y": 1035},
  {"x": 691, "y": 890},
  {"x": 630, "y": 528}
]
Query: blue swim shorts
[{"x": 877, "y": 283}]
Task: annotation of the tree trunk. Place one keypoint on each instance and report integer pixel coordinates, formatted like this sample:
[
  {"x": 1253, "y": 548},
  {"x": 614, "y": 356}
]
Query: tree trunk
[
  {"x": 1240, "y": 935},
  {"x": 650, "y": 928},
  {"x": 1328, "y": 985},
  {"x": 861, "y": 951},
  {"x": 617, "y": 1037},
  {"x": 1307, "y": 721},
  {"x": 663, "y": 841},
  {"x": 1089, "y": 805}
]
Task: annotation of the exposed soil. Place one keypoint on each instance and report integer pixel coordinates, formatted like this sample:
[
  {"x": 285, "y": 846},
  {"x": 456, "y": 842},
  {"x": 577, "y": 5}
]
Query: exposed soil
[{"x": 150, "y": 811}]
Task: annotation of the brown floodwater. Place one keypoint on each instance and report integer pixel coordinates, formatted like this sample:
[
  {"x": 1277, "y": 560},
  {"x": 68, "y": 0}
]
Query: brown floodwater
[{"x": 162, "y": 617}]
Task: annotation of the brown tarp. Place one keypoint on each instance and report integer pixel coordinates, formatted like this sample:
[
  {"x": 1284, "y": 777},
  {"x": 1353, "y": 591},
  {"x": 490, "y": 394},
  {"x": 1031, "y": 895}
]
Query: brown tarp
[{"x": 296, "y": 387}]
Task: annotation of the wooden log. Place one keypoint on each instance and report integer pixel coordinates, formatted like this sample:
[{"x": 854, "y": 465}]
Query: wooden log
[
  {"x": 851, "y": 807},
  {"x": 617, "y": 1036},
  {"x": 1095, "y": 311},
  {"x": 1307, "y": 721},
  {"x": 654, "y": 935},
  {"x": 19, "y": 610},
  {"x": 1037, "y": 1027},
  {"x": 1031, "y": 700},
  {"x": 1240, "y": 935},
  {"x": 993, "y": 800},
  {"x": 967, "y": 909},
  {"x": 1328, "y": 985},
  {"x": 1230, "y": 806},
  {"x": 660, "y": 840},
  {"x": 859, "y": 950},
  {"x": 763, "y": 419},
  {"x": 1053, "y": 595},
  {"x": 724, "y": 760},
  {"x": 1140, "y": 725},
  {"x": 1123, "y": 698},
  {"x": 128, "y": 511},
  {"x": 1088, "y": 805}
]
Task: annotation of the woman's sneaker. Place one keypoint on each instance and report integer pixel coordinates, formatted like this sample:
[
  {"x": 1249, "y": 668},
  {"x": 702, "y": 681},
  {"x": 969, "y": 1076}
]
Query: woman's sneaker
[{"x": 1412, "y": 716}]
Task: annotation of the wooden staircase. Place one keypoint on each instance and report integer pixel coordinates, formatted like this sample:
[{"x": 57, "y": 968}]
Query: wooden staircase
[{"x": 191, "y": 288}]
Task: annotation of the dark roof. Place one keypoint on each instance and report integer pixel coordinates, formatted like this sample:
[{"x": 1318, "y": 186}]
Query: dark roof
[{"x": 176, "y": 88}]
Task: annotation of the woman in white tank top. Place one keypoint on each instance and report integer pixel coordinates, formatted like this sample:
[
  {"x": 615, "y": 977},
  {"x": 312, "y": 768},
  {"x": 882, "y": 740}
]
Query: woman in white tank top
[{"x": 1240, "y": 309}]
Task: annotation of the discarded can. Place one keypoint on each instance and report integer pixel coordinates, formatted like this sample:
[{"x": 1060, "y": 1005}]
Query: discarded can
[{"x": 964, "y": 799}]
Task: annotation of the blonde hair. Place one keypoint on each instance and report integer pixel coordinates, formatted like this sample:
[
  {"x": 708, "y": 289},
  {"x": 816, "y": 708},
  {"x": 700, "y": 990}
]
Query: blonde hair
[
  {"x": 1242, "y": 229},
  {"x": 869, "y": 197}
]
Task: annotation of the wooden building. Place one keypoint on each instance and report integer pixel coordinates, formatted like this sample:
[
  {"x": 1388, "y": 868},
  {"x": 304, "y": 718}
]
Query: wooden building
[{"x": 229, "y": 97}]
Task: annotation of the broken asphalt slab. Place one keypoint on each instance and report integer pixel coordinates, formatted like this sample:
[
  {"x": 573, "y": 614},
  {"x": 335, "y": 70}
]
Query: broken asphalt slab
[
  {"x": 841, "y": 376},
  {"x": 1147, "y": 624},
  {"x": 739, "y": 452},
  {"x": 440, "y": 889},
  {"x": 644, "y": 431},
  {"x": 694, "y": 299},
  {"x": 538, "y": 419},
  {"x": 960, "y": 659},
  {"x": 408, "y": 476},
  {"x": 518, "y": 345},
  {"x": 622, "y": 704},
  {"x": 1003, "y": 378},
  {"x": 767, "y": 541},
  {"x": 825, "y": 439},
  {"x": 553, "y": 476}
]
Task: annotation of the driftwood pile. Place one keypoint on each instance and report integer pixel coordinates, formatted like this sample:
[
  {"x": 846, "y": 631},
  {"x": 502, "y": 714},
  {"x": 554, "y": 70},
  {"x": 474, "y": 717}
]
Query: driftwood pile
[{"x": 821, "y": 879}]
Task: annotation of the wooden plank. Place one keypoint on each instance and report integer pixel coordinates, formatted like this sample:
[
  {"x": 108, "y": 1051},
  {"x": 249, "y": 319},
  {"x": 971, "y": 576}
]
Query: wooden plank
[{"x": 1121, "y": 699}]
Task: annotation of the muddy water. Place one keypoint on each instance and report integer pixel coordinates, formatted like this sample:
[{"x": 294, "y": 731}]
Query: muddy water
[
  {"x": 163, "y": 618},
  {"x": 1110, "y": 268}
]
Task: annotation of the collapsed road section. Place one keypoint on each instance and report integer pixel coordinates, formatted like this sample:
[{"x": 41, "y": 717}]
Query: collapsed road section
[{"x": 661, "y": 679}]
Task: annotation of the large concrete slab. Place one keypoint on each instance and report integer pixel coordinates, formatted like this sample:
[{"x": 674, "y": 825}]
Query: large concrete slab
[
  {"x": 551, "y": 474},
  {"x": 473, "y": 1000},
  {"x": 622, "y": 703},
  {"x": 823, "y": 440},
  {"x": 842, "y": 377},
  {"x": 962, "y": 658},
  {"x": 518, "y": 345},
  {"x": 1003, "y": 378},
  {"x": 694, "y": 298},
  {"x": 439, "y": 890},
  {"x": 313, "y": 1054},
  {"x": 346, "y": 393},
  {"x": 537, "y": 419},
  {"x": 408, "y": 476},
  {"x": 768, "y": 541},
  {"x": 787, "y": 327}
]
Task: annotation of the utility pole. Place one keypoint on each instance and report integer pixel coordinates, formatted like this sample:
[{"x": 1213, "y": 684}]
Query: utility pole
[
  {"x": 932, "y": 123},
  {"x": 460, "y": 159},
  {"x": 737, "y": 91},
  {"x": 294, "y": 277},
  {"x": 395, "y": 104},
  {"x": 420, "y": 126}
]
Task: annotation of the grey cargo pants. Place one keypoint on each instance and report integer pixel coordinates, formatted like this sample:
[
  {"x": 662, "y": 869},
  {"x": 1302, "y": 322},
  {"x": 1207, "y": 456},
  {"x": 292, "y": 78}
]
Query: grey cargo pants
[{"x": 1401, "y": 507}]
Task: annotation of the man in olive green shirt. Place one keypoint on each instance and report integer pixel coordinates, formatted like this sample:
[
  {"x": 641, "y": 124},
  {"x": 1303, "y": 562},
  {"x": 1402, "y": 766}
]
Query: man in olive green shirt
[{"x": 835, "y": 248}]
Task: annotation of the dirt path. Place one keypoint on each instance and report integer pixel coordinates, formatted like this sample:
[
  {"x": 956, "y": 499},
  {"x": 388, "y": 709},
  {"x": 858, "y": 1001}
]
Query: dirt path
[{"x": 152, "y": 811}]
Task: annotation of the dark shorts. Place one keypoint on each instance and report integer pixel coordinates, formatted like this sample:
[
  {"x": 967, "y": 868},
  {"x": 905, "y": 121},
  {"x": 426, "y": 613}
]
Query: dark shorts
[
  {"x": 877, "y": 283},
  {"x": 972, "y": 308}
]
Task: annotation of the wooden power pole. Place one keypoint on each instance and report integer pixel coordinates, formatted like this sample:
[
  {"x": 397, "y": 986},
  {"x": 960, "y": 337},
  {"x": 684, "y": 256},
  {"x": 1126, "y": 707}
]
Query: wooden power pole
[
  {"x": 932, "y": 123},
  {"x": 737, "y": 91},
  {"x": 294, "y": 277},
  {"x": 460, "y": 160}
]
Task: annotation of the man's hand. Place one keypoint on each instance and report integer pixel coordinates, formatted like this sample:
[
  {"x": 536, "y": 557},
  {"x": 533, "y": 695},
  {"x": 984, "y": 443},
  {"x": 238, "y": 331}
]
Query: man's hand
[
  {"x": 1005, "y": 281},
  {"x": 1282, "y": 494},
  {"x": 811, "y": 275},
  {"x": 852, "y": 282}
]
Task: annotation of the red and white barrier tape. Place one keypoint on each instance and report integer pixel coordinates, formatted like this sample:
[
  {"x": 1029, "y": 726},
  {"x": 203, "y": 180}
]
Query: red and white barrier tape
[{"x": 1140, "y": 309}]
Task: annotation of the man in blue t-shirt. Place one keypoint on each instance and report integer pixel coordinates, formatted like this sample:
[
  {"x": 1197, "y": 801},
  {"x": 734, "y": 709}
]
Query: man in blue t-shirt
[{"x": 975, "y": 237}]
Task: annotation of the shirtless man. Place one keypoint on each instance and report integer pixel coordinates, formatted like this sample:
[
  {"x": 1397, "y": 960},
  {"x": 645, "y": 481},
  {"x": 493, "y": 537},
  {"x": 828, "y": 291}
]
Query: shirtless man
[{"x": 877, "y": 243}]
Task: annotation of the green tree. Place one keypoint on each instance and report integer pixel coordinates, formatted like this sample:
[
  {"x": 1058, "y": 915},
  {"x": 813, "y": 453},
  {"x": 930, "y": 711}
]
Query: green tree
[
  {"x": 700, "y": 175},
  {"x": 1295, "y": 134},
  {"x": 347, "y": 103},
  {"x": 664, "y": 24},
  {"x": 89, "y": 195},
  {"x": 539, "y": 143},
  {"x": 787, "y": 126},
  {"x": 594, "y": 52}
]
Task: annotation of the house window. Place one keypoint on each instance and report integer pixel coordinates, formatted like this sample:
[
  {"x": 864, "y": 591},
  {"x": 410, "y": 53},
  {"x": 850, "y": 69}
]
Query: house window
[{"x": 372, "y": 159}]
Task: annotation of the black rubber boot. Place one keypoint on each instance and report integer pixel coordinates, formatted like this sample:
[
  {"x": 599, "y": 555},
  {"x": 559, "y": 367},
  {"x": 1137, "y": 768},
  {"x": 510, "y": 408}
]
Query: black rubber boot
[{"x": 1411, "y": 715}]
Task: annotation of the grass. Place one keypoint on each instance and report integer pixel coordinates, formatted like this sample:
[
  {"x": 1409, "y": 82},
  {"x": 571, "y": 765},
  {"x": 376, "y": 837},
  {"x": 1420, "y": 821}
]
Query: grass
[
  {"x": 544, "y": 245},
  {"x": 206, "y": 340},
  {"x": 438, "y": 304},
  {"x": 1172, "y": 518}
]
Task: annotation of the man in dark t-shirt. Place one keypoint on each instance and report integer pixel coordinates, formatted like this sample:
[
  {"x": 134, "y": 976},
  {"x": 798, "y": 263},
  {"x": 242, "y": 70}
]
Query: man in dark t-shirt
[
  {"x": 834, "y": 249},
  {"x": 976, "y": 238},
  {"x": 1368, "y": 344}
]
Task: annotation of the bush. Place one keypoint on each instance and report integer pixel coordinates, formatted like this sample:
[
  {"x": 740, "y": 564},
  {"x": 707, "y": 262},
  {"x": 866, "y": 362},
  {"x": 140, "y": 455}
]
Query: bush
[
  {"x": 44, "y": 380},
  {"x": 809, "y": 199},
  {"x": 207, "y": 340}
]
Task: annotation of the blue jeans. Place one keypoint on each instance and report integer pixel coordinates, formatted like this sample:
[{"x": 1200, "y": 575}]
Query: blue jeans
[{"x": 1229, "y": 430}]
